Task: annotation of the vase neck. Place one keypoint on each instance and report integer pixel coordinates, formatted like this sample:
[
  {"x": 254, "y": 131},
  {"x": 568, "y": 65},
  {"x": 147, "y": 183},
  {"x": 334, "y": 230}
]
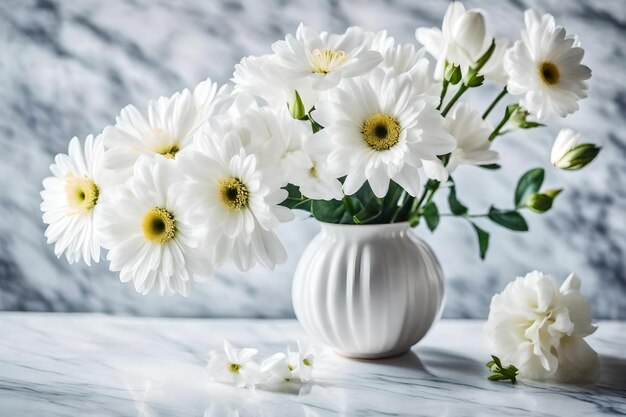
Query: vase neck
[{"x": 367, "y": 231}]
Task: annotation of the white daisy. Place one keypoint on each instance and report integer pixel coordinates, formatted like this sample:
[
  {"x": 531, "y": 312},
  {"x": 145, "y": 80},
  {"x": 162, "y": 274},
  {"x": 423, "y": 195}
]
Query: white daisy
[
  {"x": 462, "y": 39},
  {"x": 380, "y": 130},
  {"x": 545, "y": 66},
  {"x": 168, "y": 129},
  {"x": 148, "y": 233},
  {"x": 71, "y": 201},
  {"x": 471, "y": 132},
  {"x": 325, "y": 59},
  {"x": 265, "y": 78},
  {"x": 234, "y": 366},
  {"x": 238, "y": 203}
]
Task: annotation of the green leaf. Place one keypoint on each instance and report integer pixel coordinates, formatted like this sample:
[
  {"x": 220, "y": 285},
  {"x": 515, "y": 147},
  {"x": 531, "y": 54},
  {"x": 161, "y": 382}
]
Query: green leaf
[
  {"x": 332, "y": 211},
  {"x": 495, "y": 377},
  {"x": 456, "y": 207},
  {"x": 431, "y": 215},
  {"x": 490, "y": 166},
  {"x": 483, "y": 240},
  {"x": 295, "y": 199},
  {"x": 530, "y": 125},
  {"x": 528, "y": 184},
  {"x": 510, "y": 219},
  {"x": 496, "y": 360},
  {"x": 371, "y": 208}
]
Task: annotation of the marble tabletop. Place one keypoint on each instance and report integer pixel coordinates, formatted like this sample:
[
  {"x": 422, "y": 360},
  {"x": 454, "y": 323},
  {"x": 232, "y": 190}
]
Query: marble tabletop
[{"x": 94, "y": 365}]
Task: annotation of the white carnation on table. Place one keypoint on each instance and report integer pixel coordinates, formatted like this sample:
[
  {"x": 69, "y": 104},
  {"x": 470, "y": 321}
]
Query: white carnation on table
[{"x": 539, "y": 328}]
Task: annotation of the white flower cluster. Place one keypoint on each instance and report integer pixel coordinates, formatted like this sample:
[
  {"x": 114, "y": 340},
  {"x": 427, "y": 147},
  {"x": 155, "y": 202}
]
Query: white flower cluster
[
  {"x": 539, "y": 328},
  {"x": 191, "y": 181},
  {"x": 237, "y": 367}
]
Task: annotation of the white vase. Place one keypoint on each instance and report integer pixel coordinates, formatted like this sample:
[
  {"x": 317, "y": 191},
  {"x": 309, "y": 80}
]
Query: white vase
[{"x": 368, "y": 291}]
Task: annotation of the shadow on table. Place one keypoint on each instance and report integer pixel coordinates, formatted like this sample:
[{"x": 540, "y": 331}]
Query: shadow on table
[{"x": 612, "y": 374}]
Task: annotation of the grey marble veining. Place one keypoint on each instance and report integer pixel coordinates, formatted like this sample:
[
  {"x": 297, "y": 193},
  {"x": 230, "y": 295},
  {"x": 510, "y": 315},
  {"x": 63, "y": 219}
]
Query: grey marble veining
[
  {"x": 79, "y": 365},
  {"x": 66, "y": 68}
]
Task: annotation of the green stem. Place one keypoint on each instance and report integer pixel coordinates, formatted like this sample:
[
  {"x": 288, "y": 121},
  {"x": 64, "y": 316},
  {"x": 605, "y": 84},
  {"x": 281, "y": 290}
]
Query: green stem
[
  {"x": 346, "y": 202},
  {"x": 496, "y": 131},
  {"x": 471, "y": 216},
  {"x": 462, "y": 89},
  {"x": 302, "y": 201},
  {"x": 494, "y": 102},
  {"x": 444, "y": 90},
  {"x": 400, "y": 206}
]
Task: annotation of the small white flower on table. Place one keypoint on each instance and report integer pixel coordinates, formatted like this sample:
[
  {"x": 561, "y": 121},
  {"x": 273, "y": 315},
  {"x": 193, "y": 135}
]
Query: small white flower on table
[{"x": 234, "y": 366}]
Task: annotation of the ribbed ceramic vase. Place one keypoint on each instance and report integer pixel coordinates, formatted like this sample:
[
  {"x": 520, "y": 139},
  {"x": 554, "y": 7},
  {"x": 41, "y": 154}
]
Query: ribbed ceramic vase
[{"x": 368, "y": 291}]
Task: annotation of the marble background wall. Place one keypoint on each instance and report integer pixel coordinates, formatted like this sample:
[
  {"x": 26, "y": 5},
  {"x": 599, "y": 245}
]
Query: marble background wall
[{"x": 67, "y": 67}]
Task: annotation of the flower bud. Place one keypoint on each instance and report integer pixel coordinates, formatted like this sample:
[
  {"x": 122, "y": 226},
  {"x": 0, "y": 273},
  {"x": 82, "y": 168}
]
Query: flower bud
[
  {"x": 542, "y": 202},
  {"x": 453, "y": 74},
  {"x": 568, "y": 154},
  {"x": 470, "y": 32},
  {"x": 297, "y": 107}
]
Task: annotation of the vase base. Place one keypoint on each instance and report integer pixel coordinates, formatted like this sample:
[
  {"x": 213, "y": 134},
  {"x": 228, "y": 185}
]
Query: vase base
[{"x": 373, "y": 356}]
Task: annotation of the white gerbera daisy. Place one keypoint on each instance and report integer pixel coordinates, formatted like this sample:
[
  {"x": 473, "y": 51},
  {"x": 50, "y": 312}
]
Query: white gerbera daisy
[
  {"x": 71, "y": 201},
  {"x": 472, "y": 138},
  {"x": 404, "y": 59},
  {"x": 380, "y": 131},
  {"x": 234, "y": 366},
  {"x": 462, "y": 39},
  {"x": 545, "y": 65},
  {"x": 147, "y": 230},
  {"x": 325, "y": 58},
  {"x": 239, "y": 204}
]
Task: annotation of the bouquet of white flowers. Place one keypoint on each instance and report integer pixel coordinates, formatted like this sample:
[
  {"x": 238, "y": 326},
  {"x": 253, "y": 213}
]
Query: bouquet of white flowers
[{"x": 342, "y": 126}]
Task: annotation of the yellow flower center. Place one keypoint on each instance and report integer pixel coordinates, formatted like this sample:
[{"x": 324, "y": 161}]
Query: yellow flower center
[
  {"x": 168, "y": 151},
  {"x": 162, "y": 143},
  {"x": 158, "y": 225},
  {"x": 313, "y": 171},
  {"x": 233, "y": 193},
  {"x": 381, "y": 131},
  {"x": 549, "y": 73},
  {"x": 326, "y": 60},
  {"x": 234, "y": 367},
  {"x": 81, "y": 193}
]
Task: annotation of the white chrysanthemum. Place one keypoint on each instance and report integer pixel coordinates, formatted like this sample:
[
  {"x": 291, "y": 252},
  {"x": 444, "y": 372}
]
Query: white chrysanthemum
[
  {"x": 71, "y": 200},
  {"x": 493, "y": 70},
  {"x": 539, "y": 328},
  {"x": 471, "y": 132},
  {"x": 239, "y": 204},
  {"x": 379, "y": 129},
  {"x": 462, "y": 39},
  {"x": 168, "y": 129},
  {"x": 325, "y": 59},
  {"x": 264, "y": 77},
  {"x": 545, "y": 66},
  {"x": 234, "y": 366},
  {"x": 147, "y": 231}
]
